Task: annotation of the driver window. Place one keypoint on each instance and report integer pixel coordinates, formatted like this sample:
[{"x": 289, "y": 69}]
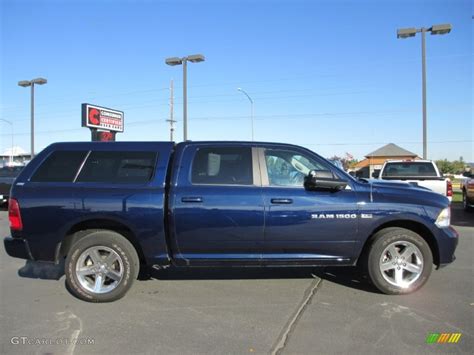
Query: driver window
[{"x": 289, "y": 168}]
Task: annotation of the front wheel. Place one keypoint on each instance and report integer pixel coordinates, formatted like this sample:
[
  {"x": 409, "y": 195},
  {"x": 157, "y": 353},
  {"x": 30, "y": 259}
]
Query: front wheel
[
  {"x": 399, "y": 261},
  {"x": 465, "y": 201},
  {"x": 101, "y": 266}
]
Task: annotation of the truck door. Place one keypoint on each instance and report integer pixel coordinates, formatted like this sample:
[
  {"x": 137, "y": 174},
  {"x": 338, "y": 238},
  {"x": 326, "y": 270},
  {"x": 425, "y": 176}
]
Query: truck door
[
  {"x": 216, "y": 205},
  {"x": 301, "y": 225}
]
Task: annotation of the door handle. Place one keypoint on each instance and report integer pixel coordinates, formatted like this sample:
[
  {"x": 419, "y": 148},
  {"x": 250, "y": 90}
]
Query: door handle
[
  {"x": 191, "y": 199},
  {"x": 282, "y": 201}
]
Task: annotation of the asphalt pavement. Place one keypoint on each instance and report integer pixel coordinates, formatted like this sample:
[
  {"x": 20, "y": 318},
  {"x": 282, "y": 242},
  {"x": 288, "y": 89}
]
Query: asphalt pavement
[{"x": 239, "y": 311}]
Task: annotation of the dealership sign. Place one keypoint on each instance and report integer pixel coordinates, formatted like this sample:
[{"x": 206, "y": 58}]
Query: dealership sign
[
  {"x": 103, "y": 122},
  {"x": 102, "y": 118}
]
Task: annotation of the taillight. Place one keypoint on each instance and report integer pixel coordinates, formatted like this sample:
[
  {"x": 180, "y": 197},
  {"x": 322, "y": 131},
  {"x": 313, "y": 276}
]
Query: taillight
[
  {"x": 449, "y": 188},
  {"x": 14, "y": 215}
]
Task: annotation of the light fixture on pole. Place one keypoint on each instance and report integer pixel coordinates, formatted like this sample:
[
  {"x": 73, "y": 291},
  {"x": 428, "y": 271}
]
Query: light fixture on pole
[
  {"x": 26, "y": 83},
  {"x": 195, "y": 58},
  {"x": 251, "y": 108},
  {"x": 411, "y": 32},
  {"x": 11, "y": 126}
]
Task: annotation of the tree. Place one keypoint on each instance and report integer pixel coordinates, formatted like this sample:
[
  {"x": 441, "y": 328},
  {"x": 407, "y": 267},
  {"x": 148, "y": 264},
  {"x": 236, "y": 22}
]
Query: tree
[
  {"x": 348, "y": 161},
  {"x": 451, "y": 167}
]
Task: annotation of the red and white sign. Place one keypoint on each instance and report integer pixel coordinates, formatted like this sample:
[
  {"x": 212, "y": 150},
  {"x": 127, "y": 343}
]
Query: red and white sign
[{"x": 102, "y": 118}]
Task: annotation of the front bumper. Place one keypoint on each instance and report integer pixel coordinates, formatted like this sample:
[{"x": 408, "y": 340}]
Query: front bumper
[
  {"x": 17, "y": 248},
  {"x": 448, "y": 240}
]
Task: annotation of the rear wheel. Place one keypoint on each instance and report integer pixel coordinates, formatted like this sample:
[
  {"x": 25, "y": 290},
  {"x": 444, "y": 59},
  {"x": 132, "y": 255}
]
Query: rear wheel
[
  {"x": 101, "y": 266},
  {"x": 465, "y": 201},
  {"x": 399, "y": 261}
]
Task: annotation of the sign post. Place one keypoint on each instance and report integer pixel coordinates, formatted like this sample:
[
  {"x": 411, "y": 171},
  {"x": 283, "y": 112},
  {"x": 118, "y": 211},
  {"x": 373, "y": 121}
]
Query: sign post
[{"x": 103, "y": 122}]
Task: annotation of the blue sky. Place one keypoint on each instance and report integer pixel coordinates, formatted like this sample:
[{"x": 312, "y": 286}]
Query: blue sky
[{"x": 328, "y": 75}]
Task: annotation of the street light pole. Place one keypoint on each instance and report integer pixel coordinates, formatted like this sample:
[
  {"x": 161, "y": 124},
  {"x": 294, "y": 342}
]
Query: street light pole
[
  {"x": 27, "y": 83},
  {"x": 251, "y": 108},
  {"x": 32, "y": 109},
  {"x": 411, "y": 32},
  {"x": 423, "y": 79},
  {"x": 195, "y": 58},
  {"x": 185, "y": 99}
]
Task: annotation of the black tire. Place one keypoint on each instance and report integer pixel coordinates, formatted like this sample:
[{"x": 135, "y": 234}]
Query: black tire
[
  {"x": 465, "y": 202},
  {"x": 126, "y": 262},
  {"x": 400, "y": 239}
]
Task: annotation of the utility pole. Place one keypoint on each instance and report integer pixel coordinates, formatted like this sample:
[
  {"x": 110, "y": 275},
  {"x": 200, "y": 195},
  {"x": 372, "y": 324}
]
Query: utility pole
[{"x": 171, "y": 120}]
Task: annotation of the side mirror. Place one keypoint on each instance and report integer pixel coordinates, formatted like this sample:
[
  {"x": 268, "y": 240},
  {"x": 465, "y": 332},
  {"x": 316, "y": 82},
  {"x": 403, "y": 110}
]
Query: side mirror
[
  {"x": 376, "y": 174},
  {"x": 323, "y": 180}
]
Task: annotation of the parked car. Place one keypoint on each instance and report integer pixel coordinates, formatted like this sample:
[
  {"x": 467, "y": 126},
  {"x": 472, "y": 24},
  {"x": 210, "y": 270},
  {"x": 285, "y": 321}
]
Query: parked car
[
  {"x": 7, "y": 176},
  {"x": 423, "y": 173},
  {"x": 467, "y": 188},
  {"x": 110, "y": 209}
]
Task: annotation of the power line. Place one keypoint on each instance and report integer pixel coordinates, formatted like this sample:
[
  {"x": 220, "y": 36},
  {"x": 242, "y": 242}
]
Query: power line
[{"x": 378, "y": 113}]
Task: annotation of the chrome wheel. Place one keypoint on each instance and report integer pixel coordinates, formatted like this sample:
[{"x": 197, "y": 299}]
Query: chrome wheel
[
  {"x": 99, "y": 269},
  {"x": 401, "y": 264}
]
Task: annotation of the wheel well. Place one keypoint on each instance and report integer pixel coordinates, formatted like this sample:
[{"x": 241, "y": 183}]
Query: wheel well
[
  {"x": 416, "y": 227},
  {"x": 77, "y": 231}
]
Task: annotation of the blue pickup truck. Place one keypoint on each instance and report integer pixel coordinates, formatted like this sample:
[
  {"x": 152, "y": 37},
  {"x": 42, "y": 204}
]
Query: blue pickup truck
[{"x": 112, "y": 208}]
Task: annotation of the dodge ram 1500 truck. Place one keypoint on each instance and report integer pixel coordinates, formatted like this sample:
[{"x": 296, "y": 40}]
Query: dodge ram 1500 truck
[
  {"x": 111, "y": 208},
  {"x": 423, "y": 173}
]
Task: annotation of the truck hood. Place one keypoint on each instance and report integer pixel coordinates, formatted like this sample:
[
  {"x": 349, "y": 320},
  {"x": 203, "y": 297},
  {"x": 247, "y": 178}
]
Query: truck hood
[
  {"x": 384, "y": 183},
  {"x": 382, "y": 191}
]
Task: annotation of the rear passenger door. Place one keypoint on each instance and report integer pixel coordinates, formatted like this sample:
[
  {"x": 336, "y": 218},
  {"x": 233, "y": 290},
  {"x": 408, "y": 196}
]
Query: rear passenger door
[
  {"x": 216, "y": 205},
  {"x": 128, "y": 185}
]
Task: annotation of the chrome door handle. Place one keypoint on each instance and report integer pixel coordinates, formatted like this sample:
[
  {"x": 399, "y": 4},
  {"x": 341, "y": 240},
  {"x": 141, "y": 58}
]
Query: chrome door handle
[
  {"x": 191, "y": 199},
  {"x": 282, "y": 201}
]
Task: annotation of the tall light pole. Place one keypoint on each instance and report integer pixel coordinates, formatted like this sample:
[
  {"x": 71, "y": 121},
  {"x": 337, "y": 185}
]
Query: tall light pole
[
  {"x": 11, "y": 126},
  {"x": 26, "y": 83},
  {"x": 411, "y": 32},
  {"x": 251, "y": 107},
  {"x": 195, "y": 58}
]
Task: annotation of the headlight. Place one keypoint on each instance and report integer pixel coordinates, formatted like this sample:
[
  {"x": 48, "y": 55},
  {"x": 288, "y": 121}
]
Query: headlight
[{"x": 444, "y": 218}]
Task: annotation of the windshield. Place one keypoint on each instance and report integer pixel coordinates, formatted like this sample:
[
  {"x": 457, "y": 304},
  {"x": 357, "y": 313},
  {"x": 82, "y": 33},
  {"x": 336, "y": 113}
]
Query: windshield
[{"x": 403, "y": 169}]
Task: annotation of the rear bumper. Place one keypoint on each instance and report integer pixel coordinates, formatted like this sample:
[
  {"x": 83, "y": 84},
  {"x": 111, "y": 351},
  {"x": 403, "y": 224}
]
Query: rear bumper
[
  {"x": 448, "y": 240},
  {"x": 17, "y": 248}
]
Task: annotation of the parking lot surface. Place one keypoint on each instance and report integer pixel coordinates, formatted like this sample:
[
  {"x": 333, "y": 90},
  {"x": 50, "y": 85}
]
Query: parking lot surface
[{"x": 239, "y": 311}]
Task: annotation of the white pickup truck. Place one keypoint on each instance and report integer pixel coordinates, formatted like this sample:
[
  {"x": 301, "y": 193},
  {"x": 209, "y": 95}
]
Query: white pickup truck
[{"x": 423, "y": 173}]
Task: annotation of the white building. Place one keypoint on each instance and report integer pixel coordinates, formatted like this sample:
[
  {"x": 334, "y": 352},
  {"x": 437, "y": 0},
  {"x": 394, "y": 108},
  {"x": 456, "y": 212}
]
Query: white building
[{"x": 14, "y": 156}]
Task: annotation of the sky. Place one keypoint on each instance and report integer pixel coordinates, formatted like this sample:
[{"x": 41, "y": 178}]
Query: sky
[{"x": 328, "y": 75}]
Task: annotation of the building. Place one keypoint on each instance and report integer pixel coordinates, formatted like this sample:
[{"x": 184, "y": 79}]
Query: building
[
  {"x": 374, "y": 161},
  {"x": 15, "y": 156}
]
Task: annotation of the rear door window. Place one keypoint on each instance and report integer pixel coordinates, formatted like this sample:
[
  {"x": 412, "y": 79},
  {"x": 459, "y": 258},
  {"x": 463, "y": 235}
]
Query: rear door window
[
  {"x": 118, "y": 167},
  {"x": 223, "y": 166},
  {"x": 59, "y": 166}
]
